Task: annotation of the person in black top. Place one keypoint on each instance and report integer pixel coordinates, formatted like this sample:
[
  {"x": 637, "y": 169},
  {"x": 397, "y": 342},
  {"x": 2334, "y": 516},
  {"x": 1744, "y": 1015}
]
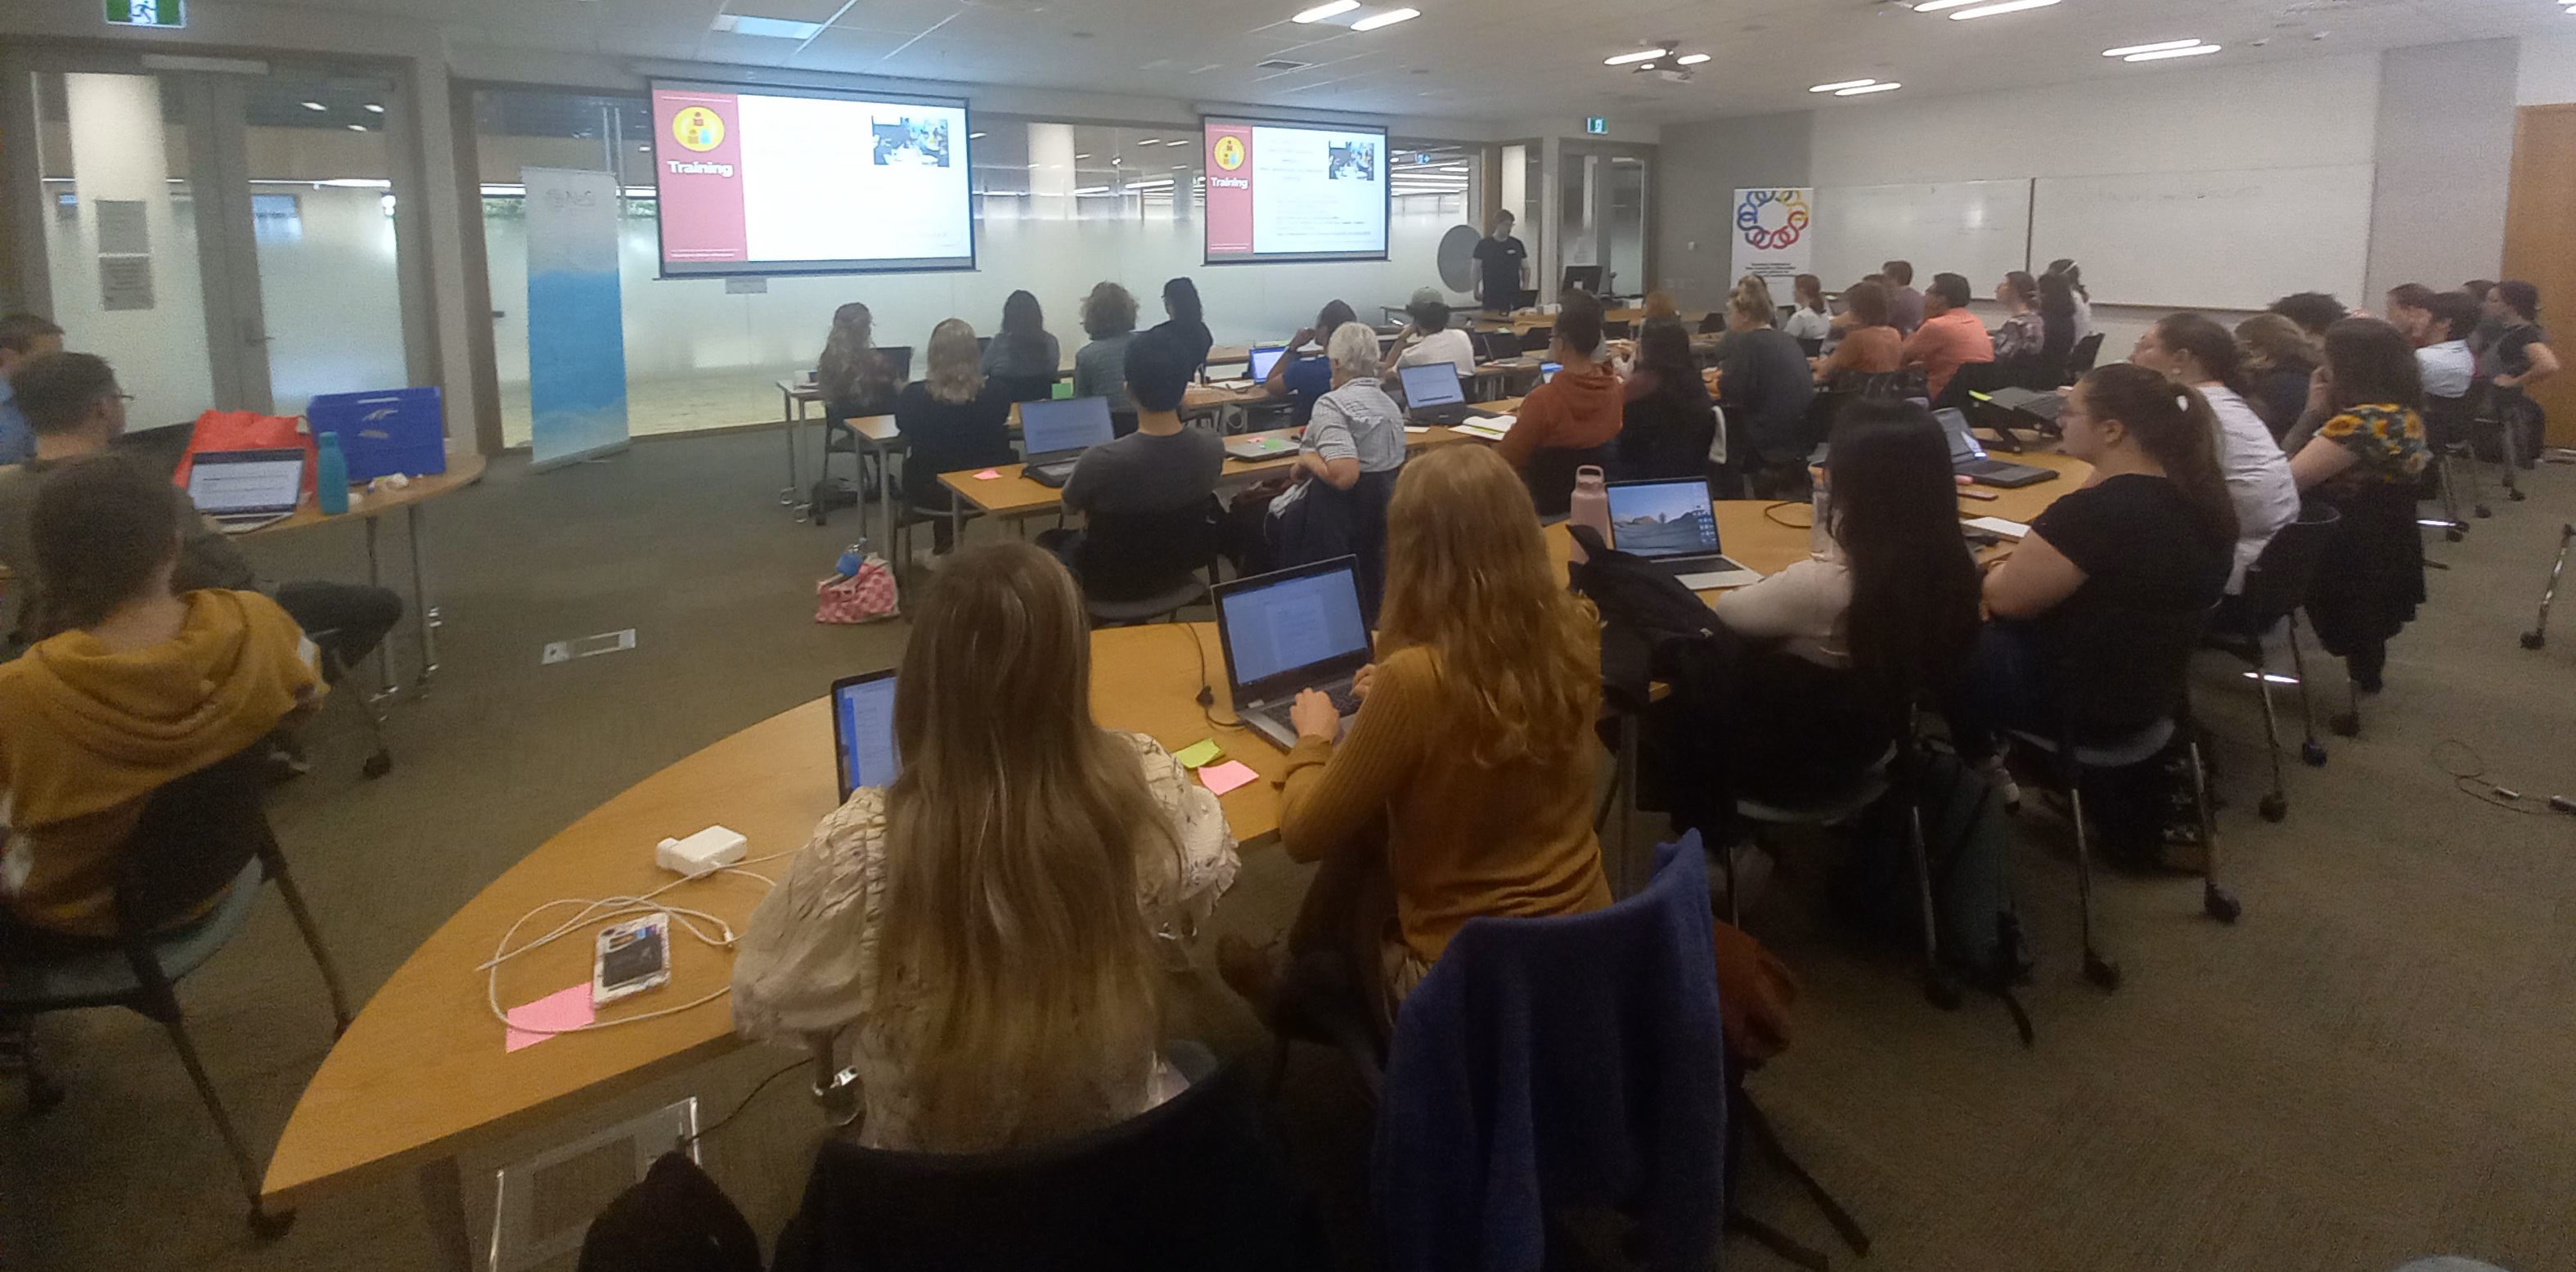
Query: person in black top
[
  {"x": 1024, "y": 358},
  {"x": 1188, "y": 323},
  {"x": 1500, "y": 262},
  {"x": 1765, "y": 386},
  {"x": 2153, "y": 532},
  {"x": 2313, "y": 311},
  {"x": 2283, "y": 360},
  {"x": 2520, "y": 356},
  {"x": 951, "y": 421},
  {"x": 1666, "y": 427}
]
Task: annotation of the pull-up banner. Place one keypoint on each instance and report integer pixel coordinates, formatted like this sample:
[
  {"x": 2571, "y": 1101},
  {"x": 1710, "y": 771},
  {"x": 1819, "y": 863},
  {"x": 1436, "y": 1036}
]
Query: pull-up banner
[{"x": 576, "y": 333}]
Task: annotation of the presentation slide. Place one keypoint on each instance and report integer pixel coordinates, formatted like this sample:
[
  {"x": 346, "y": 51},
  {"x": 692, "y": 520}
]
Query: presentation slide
[
  {"x": 1294, "y": 192},
  {"x": 808, "y": 181}
]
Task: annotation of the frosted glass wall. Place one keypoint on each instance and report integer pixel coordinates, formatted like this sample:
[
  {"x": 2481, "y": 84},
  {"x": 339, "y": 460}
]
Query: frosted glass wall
[{"x": 328, "y": 290}]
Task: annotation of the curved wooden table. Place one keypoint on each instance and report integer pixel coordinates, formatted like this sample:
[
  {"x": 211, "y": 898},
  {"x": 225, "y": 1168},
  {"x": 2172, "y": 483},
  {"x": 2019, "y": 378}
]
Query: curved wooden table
[{"x": 421, "y": 1072}]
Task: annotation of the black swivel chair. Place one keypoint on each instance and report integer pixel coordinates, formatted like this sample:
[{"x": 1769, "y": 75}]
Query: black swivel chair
[
  {"x": 1140, "y": 566},
  {"x": 2274, "y": 586},
  {"x": 2449, "y": 425},
  {"x": 1537, "y": 338},
  {"x": 1035, "y": 387},
  {"x": 2124, "y": 694},
  {"x": 1193, "y": 1183},
  {"x": 2538, "y": 636},
  {"x": 198, "y": 835},
  {"x": 2080, "y": 360}
]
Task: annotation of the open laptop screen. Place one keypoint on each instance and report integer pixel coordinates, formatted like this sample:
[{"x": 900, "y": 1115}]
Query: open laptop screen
[
  {"x": 1432, "y": 384},
  {"x": 1307, "y": 618},
  {"x": 1071, "y": 424},
  {"x": 1964, "y": 446},
  {"x": 1662, "y": 518},
  {"x": 863, "y": 731},
  {"x": 1265, "y": 358},
  {"x": 222, "y": 482}
]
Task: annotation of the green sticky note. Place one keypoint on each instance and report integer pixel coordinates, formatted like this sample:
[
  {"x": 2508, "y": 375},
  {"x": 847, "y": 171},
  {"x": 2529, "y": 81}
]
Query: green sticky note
[{"x": 1200, "y": 753}]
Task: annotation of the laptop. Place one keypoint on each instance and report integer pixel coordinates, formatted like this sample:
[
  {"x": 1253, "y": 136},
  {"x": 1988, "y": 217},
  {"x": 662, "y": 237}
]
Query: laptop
[
  {"x": 1433, "y": 395},
  {"x": 1547, "y": 371},
  {"x": 1968, "y": 457},
  {"x": 1669, "y": 523},
  {"x": 863, "y": 731},
  {"x": 1253, "y": 448},
  {"x": 242, "y": 490},
  {"x": 1289, "y": 631},
  {"x": 1263, "y": 358},
  {"x": 1055, "y": 432}
]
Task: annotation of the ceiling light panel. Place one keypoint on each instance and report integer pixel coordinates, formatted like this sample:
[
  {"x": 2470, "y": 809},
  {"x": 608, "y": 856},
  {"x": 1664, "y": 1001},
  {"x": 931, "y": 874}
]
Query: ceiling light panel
[
  {"x": 767, "y": 28},
  {"x": 1641, "y": 55},
  {"x": 1330, "y": 9},
  {"x": 1866, "y": 89},
  {"x": 2126, "y": 50},
  {"x": 1691, "y": 59},
  {"x": 1839, "y": 85},
  {"x": 1386, "y": 19},
  {"x": 2162, "y": 54},
  {"x": 1992, "y": 10}
]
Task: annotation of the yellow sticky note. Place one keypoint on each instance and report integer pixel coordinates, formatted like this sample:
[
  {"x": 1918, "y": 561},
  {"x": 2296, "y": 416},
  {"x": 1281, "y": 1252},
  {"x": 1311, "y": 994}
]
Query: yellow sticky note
[{"x": 1198, "y": 753}]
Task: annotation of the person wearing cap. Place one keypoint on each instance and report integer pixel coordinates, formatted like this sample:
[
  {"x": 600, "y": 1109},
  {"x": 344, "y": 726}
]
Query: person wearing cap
[{"x": 1429, "y": 338}]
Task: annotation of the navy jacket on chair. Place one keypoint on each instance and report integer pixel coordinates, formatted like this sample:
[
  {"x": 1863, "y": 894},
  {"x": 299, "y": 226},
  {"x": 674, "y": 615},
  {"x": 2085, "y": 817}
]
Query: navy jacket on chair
[{"x": 1562, "y": 1061}]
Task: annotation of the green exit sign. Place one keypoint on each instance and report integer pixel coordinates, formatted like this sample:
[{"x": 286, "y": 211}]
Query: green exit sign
[
  {"x": 1595, "y": 125},
  {"x": 157, "y": 13}
]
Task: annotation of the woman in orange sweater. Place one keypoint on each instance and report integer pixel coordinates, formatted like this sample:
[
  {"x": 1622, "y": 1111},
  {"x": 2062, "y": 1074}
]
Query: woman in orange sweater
[{"x": 1464, "y": 786}]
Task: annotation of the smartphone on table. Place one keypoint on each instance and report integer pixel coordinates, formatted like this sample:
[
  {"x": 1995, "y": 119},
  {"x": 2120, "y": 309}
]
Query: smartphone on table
[{"x": 632, "y": 957}]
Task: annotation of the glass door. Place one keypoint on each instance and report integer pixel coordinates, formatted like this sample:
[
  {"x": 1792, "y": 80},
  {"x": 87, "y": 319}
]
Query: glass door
[{"x": 226, "y": 239}]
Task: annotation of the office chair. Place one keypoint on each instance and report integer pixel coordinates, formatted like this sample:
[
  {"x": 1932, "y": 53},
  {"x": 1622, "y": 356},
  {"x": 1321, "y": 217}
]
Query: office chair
[
  {"x": 2496, "y": 417},
  {"x": 1617, "y": 330},
  {"x": 1537, "y": 339},
  {"x": 1141, "y": 566},
  {"x": 1195, "y": 1182},
  {"x": 2274, "y": 586},
  {"x": 380, "y": 761},
  {"x": 2080, "y": 359},
  {"x": 2447, "y": 428},
  {"x": 2124, "y": 694},
  {"x": 2538, "y": 636},
  {"x": 200, "y": 837}
]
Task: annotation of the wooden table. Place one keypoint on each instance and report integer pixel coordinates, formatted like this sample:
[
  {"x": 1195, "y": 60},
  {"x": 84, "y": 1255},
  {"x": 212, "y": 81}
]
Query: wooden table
[
  {"x": 463, "y": 469},
  {"x": 421, "y": 1073}
]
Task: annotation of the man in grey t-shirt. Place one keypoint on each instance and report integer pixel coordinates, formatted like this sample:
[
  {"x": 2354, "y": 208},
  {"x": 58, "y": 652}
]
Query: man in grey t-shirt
[{"x": 1162, "y": 467}]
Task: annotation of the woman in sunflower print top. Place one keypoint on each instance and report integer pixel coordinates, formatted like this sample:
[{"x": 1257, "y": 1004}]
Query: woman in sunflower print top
[{"x": 2364, "y": 454}]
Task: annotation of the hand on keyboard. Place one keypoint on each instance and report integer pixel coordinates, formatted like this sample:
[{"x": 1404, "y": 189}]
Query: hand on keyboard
[{"x": 1344, "y": 701}]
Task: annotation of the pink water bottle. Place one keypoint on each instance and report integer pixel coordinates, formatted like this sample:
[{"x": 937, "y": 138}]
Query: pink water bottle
[{"x": 1590, "y": 506}]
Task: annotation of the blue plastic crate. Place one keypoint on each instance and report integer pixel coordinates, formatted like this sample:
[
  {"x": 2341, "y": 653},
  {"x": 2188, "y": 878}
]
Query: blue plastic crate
[{"x": 388, "y": 431}]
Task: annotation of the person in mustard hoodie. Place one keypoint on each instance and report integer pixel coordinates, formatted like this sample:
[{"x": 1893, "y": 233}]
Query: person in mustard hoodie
[{"x": 130, "y": 686}]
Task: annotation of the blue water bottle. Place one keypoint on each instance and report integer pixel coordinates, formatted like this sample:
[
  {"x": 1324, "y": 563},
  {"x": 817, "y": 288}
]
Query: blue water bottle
[{"x": 330, "y": 476}]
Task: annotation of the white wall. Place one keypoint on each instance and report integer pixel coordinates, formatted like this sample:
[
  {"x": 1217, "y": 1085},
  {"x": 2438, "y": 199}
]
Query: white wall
[
  {"x": 1702, "y": 166},
  {"x": 2445, "y": 156},
  {"x": 2548, "y": 69},
  {"x": 2168, "y": 118}
]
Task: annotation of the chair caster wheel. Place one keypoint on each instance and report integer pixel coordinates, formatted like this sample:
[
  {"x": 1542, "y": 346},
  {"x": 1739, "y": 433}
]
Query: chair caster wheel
[
  {"x": 2273, "y": 808},
  {"x": 2101, "y": 971},
  {"x": 2221, "y": 904},
  {"x": 1942, "y": 991},
  {"x": 269, "y": 1225},
  {"x": 2517, "y": 496},
  {"x": 2534, "y": 640},
  {"x": 2314, "y": 752},
  {"x": 44, "y": 1095},
  {"x": 2454, "y": 535},
  {"x": 377, "y": 765},
  {"x": 2482, "y": 512},
  {"x": 2346, "y": 724}
]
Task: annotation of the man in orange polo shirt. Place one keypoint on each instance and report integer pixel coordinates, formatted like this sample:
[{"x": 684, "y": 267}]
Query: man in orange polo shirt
[
  {"x": 1950, "y": 336},
  {"x": 1580, "y": 407}
]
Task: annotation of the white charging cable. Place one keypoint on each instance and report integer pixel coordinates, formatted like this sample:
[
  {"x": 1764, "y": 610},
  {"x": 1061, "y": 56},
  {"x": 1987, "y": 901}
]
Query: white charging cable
[{"x": 605, "y": 909}]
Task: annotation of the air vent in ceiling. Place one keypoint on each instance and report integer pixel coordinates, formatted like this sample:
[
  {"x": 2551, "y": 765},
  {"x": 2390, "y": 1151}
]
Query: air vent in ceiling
[{"x": 1282, "y": 64}]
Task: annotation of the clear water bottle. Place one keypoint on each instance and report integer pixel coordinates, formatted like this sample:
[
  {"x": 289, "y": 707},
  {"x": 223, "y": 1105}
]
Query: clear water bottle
[
  {"x": 1590, "y": 505},
  {"x": 330, "y": 475}
]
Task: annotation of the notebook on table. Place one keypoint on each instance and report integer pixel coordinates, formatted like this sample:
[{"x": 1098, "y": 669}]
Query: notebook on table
[
  {"x": 863, "y": 731},
  {"x": 242, "y": 490},
  {"x": 1968, "y": 456},
  {"x": 1054, "y": 434},
  {"x": 1289, "y": 631},
  {"x": 1670, "y": 523},
  {"x": 1252, "y": 448}
]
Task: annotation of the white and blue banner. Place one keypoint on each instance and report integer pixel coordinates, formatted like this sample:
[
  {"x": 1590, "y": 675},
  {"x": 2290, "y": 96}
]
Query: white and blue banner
[{"x": 576, "y": 332}]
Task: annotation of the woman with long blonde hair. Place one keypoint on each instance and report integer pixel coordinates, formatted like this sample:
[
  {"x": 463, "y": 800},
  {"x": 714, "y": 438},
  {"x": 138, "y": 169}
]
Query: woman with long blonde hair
[
  {"x": 983, "y": 933},
  {"x": 1472, "y": 748},
  {"x": 952, "y": 420}
]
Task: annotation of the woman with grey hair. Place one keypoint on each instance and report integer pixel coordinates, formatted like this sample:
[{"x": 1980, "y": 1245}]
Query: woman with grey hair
[{"x": 1346, "y": 464}]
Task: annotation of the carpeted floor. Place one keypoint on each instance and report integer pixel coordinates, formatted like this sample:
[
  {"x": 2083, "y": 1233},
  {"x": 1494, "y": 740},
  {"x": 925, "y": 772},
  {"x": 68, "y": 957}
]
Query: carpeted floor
[{"x": 2374, "y": 1064}]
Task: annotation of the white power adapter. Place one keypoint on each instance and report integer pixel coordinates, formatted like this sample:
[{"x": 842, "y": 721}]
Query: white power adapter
[{"x": 700, "y": 854}]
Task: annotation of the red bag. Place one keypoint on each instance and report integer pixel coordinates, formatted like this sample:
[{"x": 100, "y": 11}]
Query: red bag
[
  {"x": 246, "y": 430},
  {"x": 866, "y": 598}
]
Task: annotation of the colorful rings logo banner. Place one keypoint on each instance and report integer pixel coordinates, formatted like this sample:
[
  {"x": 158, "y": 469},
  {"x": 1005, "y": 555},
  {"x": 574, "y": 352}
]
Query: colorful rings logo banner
[{"x": 1771, "y": 220}]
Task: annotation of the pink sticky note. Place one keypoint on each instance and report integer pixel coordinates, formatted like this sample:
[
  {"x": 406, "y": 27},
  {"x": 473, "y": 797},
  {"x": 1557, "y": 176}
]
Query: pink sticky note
[
  {"x": 564, "y": 1009},
  {"x": 1221, "y": 778},
  {"x": 989, "y": 474}
]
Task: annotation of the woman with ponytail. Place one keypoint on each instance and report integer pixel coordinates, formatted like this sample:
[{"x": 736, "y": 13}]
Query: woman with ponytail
[
  {"x": 2193, "y": 350},
  {"x": 2152, "y": 531}
]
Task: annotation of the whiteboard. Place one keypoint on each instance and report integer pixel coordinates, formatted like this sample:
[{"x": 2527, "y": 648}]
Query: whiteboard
[
  {"x": 1977, "y": 228},
  {"x": 2215, "y": 240}
]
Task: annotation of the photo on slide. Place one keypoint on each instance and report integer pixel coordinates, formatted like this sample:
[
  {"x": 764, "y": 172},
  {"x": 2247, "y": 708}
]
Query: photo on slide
[
  {"x": 1353, "y": 159},
  {"x": 908, "y": 142}
]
